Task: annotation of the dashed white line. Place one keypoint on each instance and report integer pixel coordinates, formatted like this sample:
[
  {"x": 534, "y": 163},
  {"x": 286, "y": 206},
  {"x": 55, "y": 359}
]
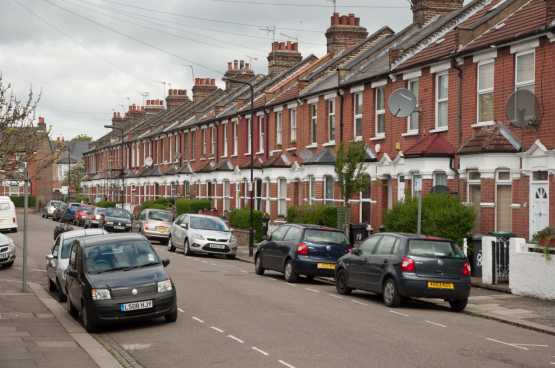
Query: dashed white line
[
  {"x": 181, "y": 310},
  {"x": 260, "y": 351},
  {"x": 316, "y": 291},
  {"x": 39, "y": 270},
  {"x": 290, "y": 284},
  {"x": 217, "y": 329},
  {"x": 200, "y": 320},
  {"x": 271, "y": 278},
  {"x": 433, "y": 323},
  {"x": 213, "y": 264},
  {"x": 354, "y": 301},
  {"x": 406, "y": 315},
  {"x": 335, "y": 296},
  {"x": 244, "y": 271},
  {"x": 17, "y": 268},
  {"x": 204, "y": 262},
  {"x": 506, "y": 343},
  {"x": 234, "y": 338},
  {"x": 285, "y": 364}
]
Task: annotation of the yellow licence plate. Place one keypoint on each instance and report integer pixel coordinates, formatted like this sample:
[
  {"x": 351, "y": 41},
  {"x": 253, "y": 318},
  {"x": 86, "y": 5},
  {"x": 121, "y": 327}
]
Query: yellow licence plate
[
  {"x": 161, "y": 228},
  {"x": 440, "y": 285},
  {"x": 326, "y": 265}
]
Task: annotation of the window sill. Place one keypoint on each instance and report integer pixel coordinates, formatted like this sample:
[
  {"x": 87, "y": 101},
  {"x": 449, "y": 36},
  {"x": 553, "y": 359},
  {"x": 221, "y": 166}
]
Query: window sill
[
  {"x": 203, "y": 159},
  {"x": 275, "y": 151},
  {"x": 358, "y": 139},
  {"x": 291, "y": 149},
  {"x": 330, "y": 143},
  {"x": 224, "y": 156},
  {"x": 409, "y": 134},
  {"x": 212, "y": 158},
  {"x": 233, "y": 156},
  {"x": 313, "y": 145},
  {"x": 440, "y": 129},
  {"x": 259, "y": 153},
  {"x": 484, "y": 124},
  {"x": 378, "y": 138},
  {"x": 193, "y": 160},
  {"x": 247, "y": 154}
]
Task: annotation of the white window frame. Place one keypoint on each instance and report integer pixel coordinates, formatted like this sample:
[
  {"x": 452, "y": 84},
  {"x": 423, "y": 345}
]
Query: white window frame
[
  {"x": 225, "y": 141},
  {"x": 293, "y": 123},
  {"x": 282, "y": 201},
  {"x": 62, "y": 170},
  {"x": 379, "y": 112},
  {"x": 314, "y": 123},
  {"x": 186, "y": 145},
  {"x": 438, "y": 101},
  {"x": 331, "y": 120},
  {"x": 440, "y": 173},
  {"x": 527, "y": 83},
  {"x": 237, "y": 199},
  {"x": 235, "y": 138},
  {"x": 261, "y": 134},
  {"x": 171, "y": 151},
  {"x": 357, "y": 99},
  {"x": 133, "y": 156},
  {"x": 172, "y": 189},
  {"x": 312, "y": 190},
  {"x": 328, "y": 201},
  {"x": 204, "y": 141},
  {"x": 249, "y": 130},
  {"x": 278, "y": 127},
  {"x": 484, "y": 91},
  {"x": 268, "y": 205},
  {"x": 212, "y": 136},
  {"x": 409, "y": 119},
  {"x": 193, "y": 139}
]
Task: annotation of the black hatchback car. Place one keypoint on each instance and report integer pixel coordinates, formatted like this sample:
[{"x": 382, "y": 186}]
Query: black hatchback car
[
  {"x": 118, "y": 278},
  {"x": 405, "y": 265},
  {"x": 301, "y": 250},
  {"x": 57, "y": 215},
  {"x": 116, "y": 220}
]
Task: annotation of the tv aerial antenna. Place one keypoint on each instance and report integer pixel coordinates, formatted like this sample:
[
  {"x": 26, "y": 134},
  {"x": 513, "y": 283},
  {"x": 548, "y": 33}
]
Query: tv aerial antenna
[
  {"x": 272, "y": 30},
  {"x": 402, "y": 103},
  {"x": 251, "y": 58},
  {"x": 123, "y": 107},
  {"x": 145, "y": 95},
  {"x": 164, "y": 83},
  {"x": 192, "y": 71},
  {"x": 290, "y": 37},
  {"x": 333, "y": 1},
  {"x": 522, "y": 109},
  {"x": 128, "y": 100}
]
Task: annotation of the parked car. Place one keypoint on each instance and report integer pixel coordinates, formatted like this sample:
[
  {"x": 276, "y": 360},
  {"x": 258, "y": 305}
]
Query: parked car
[
  {"x": 8, "y": 220},
  {"x": 116, "y": 219},
  {"x": 118, "y": 278},
  {"x": 57, "y": 215},
  {"x": 93, "y": 218},
  {"x": 97, "y": 200},
  {"x": 202, "y": 234},
  {"x": 295, "y": 250},
  {"x": 58, "y": 258},
  {"x": 7, "y": 251},
  {"x": 48, "y": 210},
  {"x": 405, "y": 265},
  {"x": 154, "y": 224},
  {"x": 69, "y": 212},
  {"x": 81, "y": 214}
]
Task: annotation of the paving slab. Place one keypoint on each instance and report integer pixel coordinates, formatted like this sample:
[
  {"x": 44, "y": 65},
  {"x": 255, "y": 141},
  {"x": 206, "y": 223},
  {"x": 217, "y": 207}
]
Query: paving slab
[{"x": 506, "y": 311}]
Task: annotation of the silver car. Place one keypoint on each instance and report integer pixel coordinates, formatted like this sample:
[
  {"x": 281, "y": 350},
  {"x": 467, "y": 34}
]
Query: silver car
[
  {"x": 48, "y": 210},
  {"x": 154, "y": 224},
  {"x": 93, "y": 218},
  {"x": 202, "y": 234},
  {"x": 58, "y": 259},
  {"x": 7, "y": 251}
]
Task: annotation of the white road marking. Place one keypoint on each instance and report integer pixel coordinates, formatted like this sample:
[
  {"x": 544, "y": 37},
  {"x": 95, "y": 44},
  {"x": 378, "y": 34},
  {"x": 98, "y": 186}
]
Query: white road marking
[
  {"x": 290, "y": 284},
  {"x": 200, "y": 320},
  {"x": 406, "y": 315},
  {"x": 213, "y": 264},
  {"x": 433, "y": 323},
  {"x": 135, "y": 346},
  {"x": 506, "y": 343},
  {"x": 244, "y": 271},
  {"x": 335, "y": 296},
  {"x": 354, "y": 301},
  {"x": 285, "y": 364},
  {"x": 217, "y": 329},
  {"x": 272, "y": 279},
  {"x": 316, "y": 291},
  {"x": 234, "y": 338},
  {"x": 181, "y": 310},
  {"x": 531, "y": 345},
  {"x": 204, "y": 262},
  {"x": 195, "y": 259},
  {"x": 39, "y": 270},
  {"x": 17, "y": 268},
  {"x": 260, "y": 351}
]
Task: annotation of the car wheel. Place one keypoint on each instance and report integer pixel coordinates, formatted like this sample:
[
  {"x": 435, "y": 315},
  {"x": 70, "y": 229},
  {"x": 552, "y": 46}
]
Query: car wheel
[
  {"x": 71, "y": 309},
  {"x": 258, "y": 269},
  {"x": 9, "y": 264},
  {"x": 186, "y": 248},
  {"x": 290, "y": 274},
  {"x": 231, "y": 256},
  {"x": 341, "y": 283},
  {"x": 391, "y": 297},
  {"x": 51, "y": 286},
  {"x": 61, "y": 295},
  {"x": 458, "y": 305},
  {"x": 171, "y": 317},
  {"x": 14, "y": 230},
  {"x": 89, "y": 326},
  {"x": 171, "y": 248},
  {"x": 43, "y": 215}
]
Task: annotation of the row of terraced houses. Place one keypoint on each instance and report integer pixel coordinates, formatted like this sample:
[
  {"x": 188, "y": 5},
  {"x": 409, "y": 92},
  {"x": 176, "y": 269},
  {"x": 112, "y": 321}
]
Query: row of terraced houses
[{"x": 462, "y": 63}]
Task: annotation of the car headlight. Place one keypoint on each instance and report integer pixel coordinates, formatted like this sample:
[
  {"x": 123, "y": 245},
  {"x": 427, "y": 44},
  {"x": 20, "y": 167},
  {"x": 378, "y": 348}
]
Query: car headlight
[
  {"x": 109, "y": 223},
  {"x": 101, "y": 294},
  {"x": 232, "y": 239},
  {"x": 197, "y": 236},
  {"x": 164, "y": 286},
  {"x": 11, "y": 246}
]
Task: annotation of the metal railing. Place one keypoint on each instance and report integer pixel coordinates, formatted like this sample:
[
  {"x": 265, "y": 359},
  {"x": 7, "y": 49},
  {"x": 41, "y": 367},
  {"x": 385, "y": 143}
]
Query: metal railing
[{"x": 500, "y": 264}]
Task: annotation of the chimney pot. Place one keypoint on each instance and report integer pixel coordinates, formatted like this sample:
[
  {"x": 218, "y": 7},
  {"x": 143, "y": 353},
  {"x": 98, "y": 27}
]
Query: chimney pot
[
  {"x": 229, "y": 67},
  {"x": 336, "y": 19},
  {"x": 197, "y": 80},
  {"x": 213, "y": 82},
  {"x": 357, "y": 21},
  {"x": 119, "y": 115},
  {"x": 202, "y": 80},
  {"x": 170, "y": 92},
  {"x": 161, "y": 102},
  {"x": 41, "y": 120},
  {"x": 157, "y": 102},
  {"x": 235, "y": 64},
  {"x": 142, "y": 108},
  {"x": 147, "y": 103},
  {"x": 276, "y": 46},
  {"x": 295, "y": 46},
  {"x": 351, "y": 19},
  {"x": 282, "y": 45},
  {"x": 125, "y": 114},
  {"x": 58, "y": 139},
  {"x": 247, "y": 66},
  {"x": 289, "y": 46},
  {"x": 242, "y": 64},
  {"x": 344, "y": 20}
]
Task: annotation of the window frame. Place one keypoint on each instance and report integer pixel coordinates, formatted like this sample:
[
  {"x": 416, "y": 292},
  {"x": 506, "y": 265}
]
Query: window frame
[
  {"x": 213, "y": 138},
  {"x": 279, "y": 127},
  {"x": 436, "y": 179},
  {"x": 293, "y": 124},
  {"x": 380, "y": 112},
  {"x": 282, "y": 201},
  {"x": 261, "y": 134},
  {"x": 527, "y": 83},
  {"x": 485, "y": 91},
  {"x": 438, "y": 101},
  {"x": 356, "y": 98},
  {"x": 249, "y": 131},
  {"x": 193, "y": 140},
  {"x": 331, "y": 120},
  {"x": 204, "y": 142},
  {"x": 227, "y": 195},
  {"x": 328, "y": 201},
  {"x": 314, "y": 123},
  {"x": 501, "y": 182},
  {"x": 410, "y": 117},
  {"x": 235, "y": 138},
  {"x": 312, "y": 190},
  {"x": 224, "y": 128}
]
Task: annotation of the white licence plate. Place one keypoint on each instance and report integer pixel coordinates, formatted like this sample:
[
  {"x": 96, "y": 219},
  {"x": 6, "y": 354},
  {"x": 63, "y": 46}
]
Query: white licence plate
[
  {"x": 4, "y": 256},
  {"x": 119, "y": 227},
  {"x": 218, "y": 246},
  {"x": 138, "y": 305}
]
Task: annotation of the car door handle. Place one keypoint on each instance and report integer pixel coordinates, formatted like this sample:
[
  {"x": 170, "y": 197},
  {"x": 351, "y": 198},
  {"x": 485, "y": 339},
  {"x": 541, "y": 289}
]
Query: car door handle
[
  {"x": 365, "y": 260},
  {"x": 385, "y": 261}
]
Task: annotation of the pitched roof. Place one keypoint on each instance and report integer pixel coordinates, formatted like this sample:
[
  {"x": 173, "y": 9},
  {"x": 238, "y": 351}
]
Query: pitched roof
[
  {"x": 257, "y": 163},
  {"x": 277, "y": 161},
  {"x": 496, "y": 139},
  {"x": 430, "y": 145},
  {"x": 287, "y": 95},
  {"x": 224, "y": 165},
  {"x": 323, "y": 157}
]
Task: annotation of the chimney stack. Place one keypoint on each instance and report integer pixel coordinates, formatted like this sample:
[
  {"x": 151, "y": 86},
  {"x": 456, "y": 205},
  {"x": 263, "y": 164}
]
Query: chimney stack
[
  {"x": 283, "y": 56},
  {"x": 424, "y": 10},
  {"x": 242, "y": 64},
  {"x": 345, "y": 31},
  {"x": 176, "y": 98},
  {"x": 239, "y": 71},
  {"x": 204, "y": 88}
]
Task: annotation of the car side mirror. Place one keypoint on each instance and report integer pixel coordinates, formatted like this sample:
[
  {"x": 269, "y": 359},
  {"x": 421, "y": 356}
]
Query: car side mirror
[
  {"x": 354, "y": 251},
  {"x": 50, "y": 257},
  {"x": 73, "y": 273},
  {"x": 265, "y": 237},
  {"x": 184, "y": 226},
  {"x": 165, "y": 262}
]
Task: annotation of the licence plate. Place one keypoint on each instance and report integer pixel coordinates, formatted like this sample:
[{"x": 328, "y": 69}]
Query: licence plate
[
  {"x": 161, "y": 228},
  {"x": 119, "y": 227},
  {"x": 440, "y": 285},
  {"x": 134, "y": 306},
  {"x": 4, "y": 256},
  {"x": 326, "y": 265},
  {"x": 217, "y": 246}
]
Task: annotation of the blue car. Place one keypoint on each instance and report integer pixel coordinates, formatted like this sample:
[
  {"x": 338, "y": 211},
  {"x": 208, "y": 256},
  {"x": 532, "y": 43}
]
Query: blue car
[
  {"x": 307, "y": 250},
  {"x": 70, "y": 211}
]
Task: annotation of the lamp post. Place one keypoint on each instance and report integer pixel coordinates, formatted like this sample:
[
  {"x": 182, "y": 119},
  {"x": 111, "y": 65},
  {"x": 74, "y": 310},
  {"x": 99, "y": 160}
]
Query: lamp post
[
  {"x": 122, "y": 176},
  {"x": 251, "y": 235}
]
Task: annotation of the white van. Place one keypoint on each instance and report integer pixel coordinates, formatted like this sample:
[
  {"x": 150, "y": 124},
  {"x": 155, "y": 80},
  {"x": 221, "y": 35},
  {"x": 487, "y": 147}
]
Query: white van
[{"x": 7, "y": 214}]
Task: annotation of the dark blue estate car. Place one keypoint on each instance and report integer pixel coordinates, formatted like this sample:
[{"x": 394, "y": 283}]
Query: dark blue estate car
[
  {"x": 307, "y": 250},
  {"x": 70, "y": 211},
  {"x": 405, "y": 265}
]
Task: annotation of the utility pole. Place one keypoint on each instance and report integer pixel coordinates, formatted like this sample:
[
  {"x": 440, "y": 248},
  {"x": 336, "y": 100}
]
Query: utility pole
[{"x": 25, "y": 212}]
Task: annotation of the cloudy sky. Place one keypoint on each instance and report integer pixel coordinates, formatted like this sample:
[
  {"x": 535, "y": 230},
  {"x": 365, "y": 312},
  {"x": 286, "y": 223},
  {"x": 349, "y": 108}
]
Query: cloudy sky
[{"x": 88, "y": 56}]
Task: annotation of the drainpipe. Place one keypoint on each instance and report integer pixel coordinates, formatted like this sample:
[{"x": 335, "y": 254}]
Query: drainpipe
[
  {"x": 340, "y": 114},
  {"x": 459, "y": 133},
  {"x": 217, "y": 137},
  {"x": 451, "y": 160}
]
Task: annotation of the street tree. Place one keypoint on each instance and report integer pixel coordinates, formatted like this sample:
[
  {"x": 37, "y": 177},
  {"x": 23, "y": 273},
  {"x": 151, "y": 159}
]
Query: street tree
[
  {"x": 83, "y": 138},
  {"x": 350, "y": 177},
  {"x": 77, "y": 173}
]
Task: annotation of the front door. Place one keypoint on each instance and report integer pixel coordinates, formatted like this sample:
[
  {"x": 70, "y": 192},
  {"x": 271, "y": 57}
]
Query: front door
[
  {"x": 357, "y": 264},
  {"x": 540, "y": 207},
  {"x": 379, "y": 261}
]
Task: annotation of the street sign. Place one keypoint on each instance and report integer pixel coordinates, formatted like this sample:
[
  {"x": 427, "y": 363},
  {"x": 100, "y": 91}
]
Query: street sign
[
  {"x": 64, "y": 190},
  {"x": 417, "y": 184},
  {"x": 250, "y": 186}
]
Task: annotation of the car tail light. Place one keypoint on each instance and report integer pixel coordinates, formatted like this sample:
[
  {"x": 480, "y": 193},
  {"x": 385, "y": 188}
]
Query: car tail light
[
  {"x": 466, "y": 269},
  {"x": 349, "y": 251},
  {"x": 146, "y": 225},
  {"x": 407, "y": 265},
  {"x": 14, "y": 220},
  {"x": 302, "y": 249}
]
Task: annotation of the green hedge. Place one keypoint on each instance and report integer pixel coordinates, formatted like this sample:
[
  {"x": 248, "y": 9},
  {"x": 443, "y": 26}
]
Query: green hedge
[
  {"x": 145, "y": 205},
  {"x": 158, "y": 202},
  {"x": 157, "y": 206},
  {"x": 79, "y": 199},
  {"x": 185, "y": 205},
  {"x": 242, "y": 219},
  {"x": 164, "y": 201},
  {"x": 18, "y": 201},
  {"x": 322, "y": 215},
  {"x": 106, "y": 204}
]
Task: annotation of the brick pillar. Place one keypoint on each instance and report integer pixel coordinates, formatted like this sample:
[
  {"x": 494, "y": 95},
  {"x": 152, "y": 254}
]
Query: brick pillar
[{"x": 487, "y": 214}]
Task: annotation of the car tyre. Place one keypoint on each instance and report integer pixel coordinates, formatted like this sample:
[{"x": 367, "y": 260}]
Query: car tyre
[
  {"x": 341, "y": 283},
  {"x": 290, "y": 274},
  {"x": 71, "y": 309},
  {"x": 43, "y": 215},
  {"x": 186, "y": 248},
  {"x": 61, "y": 295},
  {"x": 51, "y": 286},
  {"x": 7, "y": 265},
  {"x": 458, "y": 305},
  {"x": 258, "y": 269},
  {"x": 391, "y": 296},
  {"x": 171, "y": 248},
  {"x": 87, "y": 323},
  {"x": 171, "y": 317}
]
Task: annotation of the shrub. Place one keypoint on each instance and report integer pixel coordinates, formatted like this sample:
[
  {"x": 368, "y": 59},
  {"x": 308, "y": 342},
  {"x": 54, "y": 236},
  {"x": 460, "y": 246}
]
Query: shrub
[
  {"x": 242, "y": 219},
  {"x": 18, "y": 201},
  {"x": 185, "y": 205},
  {"x": 157, "y": 206},
  {"x": 164, "y": 201},
  {"x": 106, "y": 204},
  {"x": 145, "y": 205},
  {"x": 323, "y": 215},
  {"x": 443, "y": 216},
  {"x": 80, "y": 199}
]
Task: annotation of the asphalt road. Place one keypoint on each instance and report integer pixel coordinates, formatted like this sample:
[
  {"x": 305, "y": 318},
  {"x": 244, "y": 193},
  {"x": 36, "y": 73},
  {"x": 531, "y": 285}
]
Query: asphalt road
[{"x": 230, "y": 317}]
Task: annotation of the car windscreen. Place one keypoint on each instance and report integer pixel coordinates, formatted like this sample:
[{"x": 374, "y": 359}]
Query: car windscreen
[
  {"x": 87, "y": 209},
  {"x": 119, "y": 256},
  {"x": 207, "y": 223},
  {"x": 434, "y": 248},
  {"x": 118, "y": 213},
  {"x": 74, "y": 206},
  {"x": 100, "y": 211},
  {"x": 4, "y": 206},
  {"x": 63, "y": 206},
  {"x": 160, "y": 216},
  {"x": 55, "y": 203},
  {"x": 325, "y": 237}
]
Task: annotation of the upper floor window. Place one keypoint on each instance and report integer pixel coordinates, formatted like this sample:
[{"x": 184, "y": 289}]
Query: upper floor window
[
  {"x": 525, "y": 71},
  {"x": 442, "y": 98},
  {"x": 235, "y": 138},
  {"x": 485, "y": 92},
  {"x": 213, "y": 138},
  {"x": 314, "y": 123},
  {"x": 413, "y": 118},
  {"x": 380, "y": 112},
  {"x": 312, "y": 190},
  {"x": 331, "y": 120},
  {"x": 261, "y": 133},
  {"x": 133, "y": 157},
  {"x": 358, "y": 115},
  {"x": 185, "y": 146},
  {"x": 278, "y": 127},
  {"x": 204, "y": 141},
  {"x": 294, "y": 125},
  {"x": 249, "y": 128},
  {"x": 225, "y": 140},
  {"x": 194, "y": 144}
]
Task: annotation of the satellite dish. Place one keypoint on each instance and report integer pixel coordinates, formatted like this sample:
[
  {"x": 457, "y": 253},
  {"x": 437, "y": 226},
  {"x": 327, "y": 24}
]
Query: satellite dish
[
  {"x": 440, "y": 189},
  {"x": 306, "y": 154},
  {"x": 522, "y": 108},
  {"x": 177, "y": 155},
  {"x": 148, "y": 161},
  {"x": 126, "y": 171},
  {"x": 402, "y": 103}
]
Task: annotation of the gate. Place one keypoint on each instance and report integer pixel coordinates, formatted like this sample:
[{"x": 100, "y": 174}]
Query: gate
[{"x": 500, "y": 262}]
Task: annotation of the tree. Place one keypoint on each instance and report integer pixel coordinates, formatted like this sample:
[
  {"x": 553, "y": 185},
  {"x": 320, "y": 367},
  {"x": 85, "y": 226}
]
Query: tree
[
  {"x": 83, "y": 138},
  {"x": 77, "y": 173},
  {"x": 350, "y": 178},
  {"x": 20, "y": 140}
]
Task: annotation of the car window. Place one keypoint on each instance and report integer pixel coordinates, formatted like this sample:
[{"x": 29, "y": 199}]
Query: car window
[
  {"x": 292, "y": 234},
  {"x": 55, "y": 203},
  {"x": 160, "y": 216},
  {"x": 118, "y": 213},
  {"x": 434, "y": 248},
  {"x": 119, "y": 256},
  {"x": 279, "y": 233},
  {"x": 63, "y": 206},
  {"x": 396, "y": 246},
  {"x": 386, "y": 245},
  {"x": 74, "y": 206},
  {"x": 179, "y": 220},
  {"x": 72, "y": 256},
  {"x": 208, "y": 223},
  {"x": 325, "y": 237},
  {"x": 87, "y": 209},
  {"x": 4, "y": 206},
  {"x": 56, "y": 247},
  {"x": 368, "y": 245},
  {"x": 186, "y": 220}
]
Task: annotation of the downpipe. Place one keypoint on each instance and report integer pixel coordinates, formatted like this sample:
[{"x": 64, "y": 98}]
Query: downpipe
[{"x": 459, "y": 133}]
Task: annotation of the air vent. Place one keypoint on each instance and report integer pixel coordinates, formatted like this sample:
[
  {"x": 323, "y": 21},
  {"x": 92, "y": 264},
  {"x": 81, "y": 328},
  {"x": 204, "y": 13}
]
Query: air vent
[
  {"x": 440, "y": 41},
  {"x": 499, "y": 26}
]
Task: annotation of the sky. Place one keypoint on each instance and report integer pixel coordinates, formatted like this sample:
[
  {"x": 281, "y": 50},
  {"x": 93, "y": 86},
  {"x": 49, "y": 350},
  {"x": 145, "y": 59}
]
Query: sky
[{"x": 88, "y": 57}]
